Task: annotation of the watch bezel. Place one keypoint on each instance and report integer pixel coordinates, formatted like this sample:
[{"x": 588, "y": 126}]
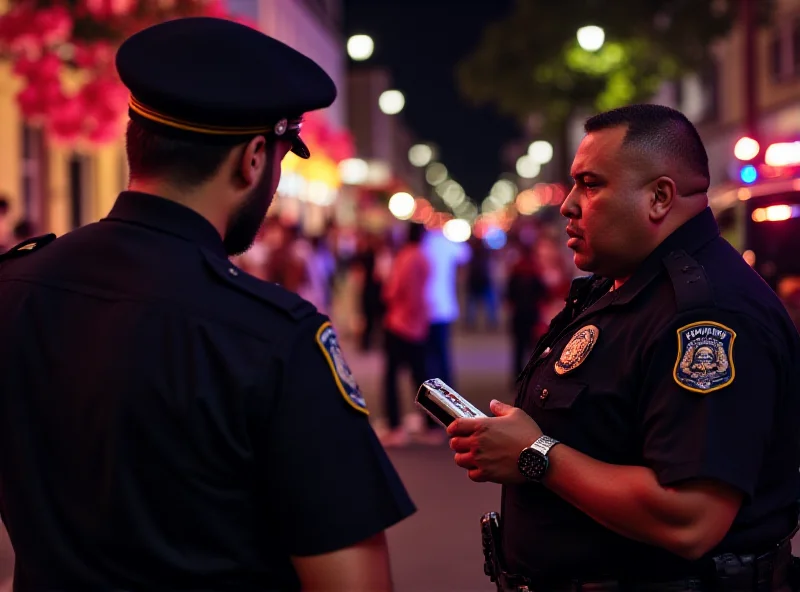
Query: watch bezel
[{"x": 525, "y": 468}]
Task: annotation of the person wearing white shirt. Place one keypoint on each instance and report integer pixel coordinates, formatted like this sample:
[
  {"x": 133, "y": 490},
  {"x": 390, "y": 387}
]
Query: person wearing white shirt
[{"x": 445, "y": 257}]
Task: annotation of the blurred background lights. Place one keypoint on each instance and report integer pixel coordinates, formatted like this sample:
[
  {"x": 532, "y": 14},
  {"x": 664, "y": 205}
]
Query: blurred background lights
[
  {"x": 748, "y": 174},
  {"x": 457, "y": 230},
  {"x": 495, "y": 238},
  {"x": 391, "y": 102},
  {"x": 402, "y": 205},
  {"x": 420, "y": 155},
  {"x": 503, "y": 191},
  {"x": 353, "y": 171},
  {"x": 436, "y": 173},
  {"x": 746, "y": 149},
  {"x": 527, "y": 168},
  {"x": 360, "y": 47},
  {"x": 541, "y": 151},
  {"x": 528, "y": 202},
  {"x": 591, "y": 38},
  {"x": 783, "y": 154}
]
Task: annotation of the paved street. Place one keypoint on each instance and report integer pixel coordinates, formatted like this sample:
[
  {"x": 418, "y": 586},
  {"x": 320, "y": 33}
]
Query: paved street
[{"x": 438, "y": 549}]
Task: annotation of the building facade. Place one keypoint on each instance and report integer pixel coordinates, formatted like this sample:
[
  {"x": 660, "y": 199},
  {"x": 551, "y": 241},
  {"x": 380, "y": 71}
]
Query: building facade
[{"x": 59, "y": 187}]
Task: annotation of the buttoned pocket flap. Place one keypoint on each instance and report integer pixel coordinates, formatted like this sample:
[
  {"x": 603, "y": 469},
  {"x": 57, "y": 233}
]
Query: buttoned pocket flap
[{"x": 557, "y": 394}]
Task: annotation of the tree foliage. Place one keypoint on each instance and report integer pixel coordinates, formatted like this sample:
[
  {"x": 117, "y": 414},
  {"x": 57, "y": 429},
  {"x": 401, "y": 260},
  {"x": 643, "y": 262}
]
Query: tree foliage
[{"x": 530, "y": 62}]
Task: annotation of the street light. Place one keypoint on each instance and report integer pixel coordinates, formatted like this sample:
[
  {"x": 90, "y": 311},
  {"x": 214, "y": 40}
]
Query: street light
[
  {"x": 591, "y": 38},
  {"x": 420, "y": 155},
  {"x": 391, "y": 102},
  {"x": 360, "y": 47},
  {"x": 402, "y": 205},
  {"x": 527, "y": 168},
  {"x": 541, "y": 151}
]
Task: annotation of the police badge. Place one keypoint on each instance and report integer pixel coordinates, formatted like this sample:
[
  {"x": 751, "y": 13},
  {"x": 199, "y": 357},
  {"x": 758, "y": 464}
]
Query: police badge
[
  {"x": 705, "y": 357},
  {"x": 329, "y": 344},
  {"x": 578, "y": 349}
]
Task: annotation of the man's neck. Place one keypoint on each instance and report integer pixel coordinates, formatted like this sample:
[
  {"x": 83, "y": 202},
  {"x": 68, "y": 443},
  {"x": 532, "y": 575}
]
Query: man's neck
[{"x": 194, "y": 202}]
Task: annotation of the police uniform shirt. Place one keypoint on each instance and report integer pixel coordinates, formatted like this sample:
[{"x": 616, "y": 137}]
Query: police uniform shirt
[
  {"x": 168, "y": 421},
  {"x": 690, "y": 368}
]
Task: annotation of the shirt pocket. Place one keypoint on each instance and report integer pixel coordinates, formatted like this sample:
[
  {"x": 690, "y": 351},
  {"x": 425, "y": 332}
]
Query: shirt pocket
[{"x": 556, "y": 394}]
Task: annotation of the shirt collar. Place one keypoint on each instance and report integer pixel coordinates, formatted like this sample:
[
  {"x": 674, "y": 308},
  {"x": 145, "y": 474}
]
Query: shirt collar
[
  {"x": 690, "y": 237},
  {"x": 167, "y": 216}
]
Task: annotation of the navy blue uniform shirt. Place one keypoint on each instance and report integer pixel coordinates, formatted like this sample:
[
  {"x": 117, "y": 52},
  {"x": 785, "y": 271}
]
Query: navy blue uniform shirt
[
  {"x": 690, "y": 368},
  {"x": 168, "y": 421}
]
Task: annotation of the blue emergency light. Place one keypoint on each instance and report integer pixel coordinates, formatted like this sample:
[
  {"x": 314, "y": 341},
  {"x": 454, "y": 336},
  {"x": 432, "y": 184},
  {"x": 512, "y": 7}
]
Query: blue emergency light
[{"x": 748, "y": 174}]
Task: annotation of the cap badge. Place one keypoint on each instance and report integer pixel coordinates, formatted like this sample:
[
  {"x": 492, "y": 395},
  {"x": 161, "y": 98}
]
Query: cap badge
[{"x": 280, "y": 127}]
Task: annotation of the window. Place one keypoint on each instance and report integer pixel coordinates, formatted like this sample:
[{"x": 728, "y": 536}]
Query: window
[
  {"x": 78, "y": 174},
  {"x": 34, "y": 174}
]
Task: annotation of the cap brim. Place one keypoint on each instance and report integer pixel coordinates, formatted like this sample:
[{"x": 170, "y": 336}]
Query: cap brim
[{"x": 299, "y": 148}]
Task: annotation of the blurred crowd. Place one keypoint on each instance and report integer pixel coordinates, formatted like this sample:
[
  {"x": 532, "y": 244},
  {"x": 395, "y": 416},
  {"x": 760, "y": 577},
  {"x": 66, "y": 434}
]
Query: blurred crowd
[{"x": 403, "y": 292}]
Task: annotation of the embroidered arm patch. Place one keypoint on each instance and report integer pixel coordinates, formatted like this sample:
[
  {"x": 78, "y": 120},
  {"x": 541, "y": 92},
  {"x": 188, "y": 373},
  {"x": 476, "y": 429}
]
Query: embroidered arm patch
[
  {"x": 345, "y": 381},
  {"x": 705, "y": 357}
]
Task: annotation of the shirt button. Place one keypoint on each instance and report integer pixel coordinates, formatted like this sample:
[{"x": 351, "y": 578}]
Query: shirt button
[
  {"x": 233, "y": 271},
  {"x": 544, "y": 395}
]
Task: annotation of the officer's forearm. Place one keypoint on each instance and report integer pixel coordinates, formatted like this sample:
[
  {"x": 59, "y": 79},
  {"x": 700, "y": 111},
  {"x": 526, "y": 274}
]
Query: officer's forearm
[{"x": 630, "y": 501}]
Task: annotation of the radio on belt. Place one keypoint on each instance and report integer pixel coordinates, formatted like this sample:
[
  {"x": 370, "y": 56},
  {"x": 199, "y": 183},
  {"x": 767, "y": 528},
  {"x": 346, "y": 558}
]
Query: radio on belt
[{"x": 444, "y": 404}]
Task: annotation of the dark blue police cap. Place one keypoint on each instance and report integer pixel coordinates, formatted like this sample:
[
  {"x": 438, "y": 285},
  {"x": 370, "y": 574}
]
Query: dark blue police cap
[{"x": 217, "y": 81}]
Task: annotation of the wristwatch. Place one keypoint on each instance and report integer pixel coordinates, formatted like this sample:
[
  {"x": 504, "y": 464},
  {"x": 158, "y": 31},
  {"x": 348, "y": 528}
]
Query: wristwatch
[{"x": 533, "y": 461}]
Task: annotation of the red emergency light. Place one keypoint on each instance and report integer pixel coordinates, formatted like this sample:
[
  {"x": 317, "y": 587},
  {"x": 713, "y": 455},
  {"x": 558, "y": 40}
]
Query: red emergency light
[{"x": 783, "y": 154}]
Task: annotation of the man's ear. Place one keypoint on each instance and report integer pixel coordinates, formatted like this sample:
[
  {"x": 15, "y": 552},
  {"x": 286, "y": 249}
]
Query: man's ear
[
  {"x": 664, "y": 194},
  {"x": 253, "y": 161}
]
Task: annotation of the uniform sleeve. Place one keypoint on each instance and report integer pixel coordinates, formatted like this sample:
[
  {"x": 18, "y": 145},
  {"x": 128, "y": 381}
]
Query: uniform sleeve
[
  {"x": 330, "y": 479},
  {"x": 710, "y": 389}
]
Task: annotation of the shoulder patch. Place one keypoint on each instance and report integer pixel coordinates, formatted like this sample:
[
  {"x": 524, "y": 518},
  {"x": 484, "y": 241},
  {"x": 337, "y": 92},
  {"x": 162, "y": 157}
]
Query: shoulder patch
[
  {"x": 705, "y": 357},
  {"x": 289, "y": 302},
  {"x": 329, "y": 344},
  {"x": 27, "y": 247}
]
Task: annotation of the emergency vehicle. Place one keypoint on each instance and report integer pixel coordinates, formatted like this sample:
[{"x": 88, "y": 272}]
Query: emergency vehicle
[{"x": 760, "y": 215}]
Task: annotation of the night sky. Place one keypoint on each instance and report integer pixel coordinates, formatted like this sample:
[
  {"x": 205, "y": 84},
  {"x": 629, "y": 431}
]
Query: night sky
[{"x": 421, "y": 41}]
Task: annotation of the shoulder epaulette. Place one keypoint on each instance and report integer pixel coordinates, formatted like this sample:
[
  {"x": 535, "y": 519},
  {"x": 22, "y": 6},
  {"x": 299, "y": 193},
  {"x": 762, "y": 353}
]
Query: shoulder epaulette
[
  {"x": 288, "y": 302},
  {"x": 27, "y": 247},
  {"x": 689, "y": 281}
]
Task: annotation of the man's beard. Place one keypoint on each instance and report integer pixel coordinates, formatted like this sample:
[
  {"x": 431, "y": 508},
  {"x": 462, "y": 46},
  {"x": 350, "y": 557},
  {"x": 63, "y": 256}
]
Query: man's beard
[{"x": 246, "y": 221}]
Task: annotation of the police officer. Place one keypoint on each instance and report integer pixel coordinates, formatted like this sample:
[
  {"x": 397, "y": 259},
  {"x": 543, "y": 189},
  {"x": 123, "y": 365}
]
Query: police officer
[
  {"x": 166, "y": 420},
  {"x": 654, "y": 443}
]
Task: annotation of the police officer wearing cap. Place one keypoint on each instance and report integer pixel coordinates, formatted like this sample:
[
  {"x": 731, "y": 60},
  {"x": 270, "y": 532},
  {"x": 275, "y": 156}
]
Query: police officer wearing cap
[
  {"x": 168, "y": 422},
  {"x": 654, "y": 442}
]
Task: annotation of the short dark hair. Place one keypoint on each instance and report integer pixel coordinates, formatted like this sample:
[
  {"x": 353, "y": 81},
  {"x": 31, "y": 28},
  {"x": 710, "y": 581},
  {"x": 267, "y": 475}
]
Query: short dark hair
[
  {"x": 658, "y": 128},
  {"x": 182, "y": 162}
]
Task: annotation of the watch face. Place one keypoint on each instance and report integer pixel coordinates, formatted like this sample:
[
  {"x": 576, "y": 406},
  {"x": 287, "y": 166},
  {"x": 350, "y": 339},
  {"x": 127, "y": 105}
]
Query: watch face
[{"x": 532, "y": 464}]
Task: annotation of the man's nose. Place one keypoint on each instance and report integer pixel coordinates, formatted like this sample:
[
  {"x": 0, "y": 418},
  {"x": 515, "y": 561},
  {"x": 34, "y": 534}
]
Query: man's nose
[{"x": 569, "y": 209}]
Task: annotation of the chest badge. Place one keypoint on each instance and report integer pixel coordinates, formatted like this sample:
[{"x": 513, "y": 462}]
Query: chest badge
[{"x": 578, "y": 349}]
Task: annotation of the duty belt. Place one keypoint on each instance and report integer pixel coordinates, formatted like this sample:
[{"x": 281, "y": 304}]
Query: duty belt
[{"x": 730, "y": 573}]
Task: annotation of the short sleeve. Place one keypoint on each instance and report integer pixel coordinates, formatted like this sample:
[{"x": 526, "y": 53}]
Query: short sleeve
[
  {"x": 710, "y": 390},
  {"x": 330, "y": 479}
]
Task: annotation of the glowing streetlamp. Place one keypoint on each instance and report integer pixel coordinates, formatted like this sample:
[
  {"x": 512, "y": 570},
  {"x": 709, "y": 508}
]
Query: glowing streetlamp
[
  {"x": 591, "y": 38},
  {"x": 360, "y": 47},
  {"x": 391, "y": 102}
]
